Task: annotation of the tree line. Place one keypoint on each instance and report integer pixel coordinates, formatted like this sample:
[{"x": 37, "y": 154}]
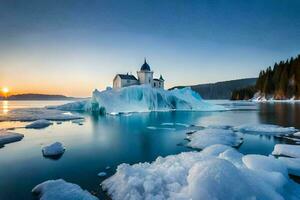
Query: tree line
[{"x": 280, "y": 82}]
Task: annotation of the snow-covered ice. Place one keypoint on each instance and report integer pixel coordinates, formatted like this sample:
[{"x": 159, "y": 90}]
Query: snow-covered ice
[
  {"x": 206, "y": 137},
  {"x": 142, "y": 98},
  {"x": 61, "y": 190},
  {"x": 53, "y": 149},
  {"x": 265, "y": 129},
  {"x": 31, "y": 114},
  {"x": 175, "y": 124},
  {"x": 292, "y": 164},
  {"x": 160, "y": 128},
  {"x": 38, "y": 124},
  {"x": 9, "y": 137},
  {"x": 102, "y": 174},
  {"x": 287, "y": 150},
  {"x": 217, "y": 172}
]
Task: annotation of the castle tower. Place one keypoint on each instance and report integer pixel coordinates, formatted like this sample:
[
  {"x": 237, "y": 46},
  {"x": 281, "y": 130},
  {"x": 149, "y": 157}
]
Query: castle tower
[{"x": 145, "y": 75}]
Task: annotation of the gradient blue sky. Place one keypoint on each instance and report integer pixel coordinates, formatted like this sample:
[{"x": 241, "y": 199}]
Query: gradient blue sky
[{"x": 72, "y": 47}]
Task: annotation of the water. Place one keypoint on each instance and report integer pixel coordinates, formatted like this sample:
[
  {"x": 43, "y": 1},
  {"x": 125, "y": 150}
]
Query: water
[{"x": 112, "y": 140}]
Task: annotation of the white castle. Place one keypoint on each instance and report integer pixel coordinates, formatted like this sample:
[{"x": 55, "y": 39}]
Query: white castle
[{"x": 145, "y": 76}]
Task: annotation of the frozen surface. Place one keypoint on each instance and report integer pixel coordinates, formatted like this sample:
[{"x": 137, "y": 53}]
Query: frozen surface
[
  {"x": 217, "y": 172},
  {"x": 31, "y": 114},
  {"x": 38, "y": 124},
  {"x": 54, "y": 149},
  {"x": 142, "y": 98},
  {"x": 265, "y": 129},
  {"x": 9, "y": 137},
  {"x": 293, "y": 165},
  {"x": 287, "y": 150},
  {"x": 61, "y": 190},
  {"x": 204, "y": 138}
]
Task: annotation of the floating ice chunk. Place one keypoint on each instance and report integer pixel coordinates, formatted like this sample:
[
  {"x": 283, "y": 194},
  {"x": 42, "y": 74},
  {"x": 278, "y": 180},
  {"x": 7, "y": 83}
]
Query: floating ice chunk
[
  {"x": 38, "y": 124},
  {"x": 31, "y": 114},
  {"x": 204, "y": 138},
  {"x": 265, "y": 129},
  {"x": 160, "y": 128},
  {"x": 260, "y": 162},
  {"x": 214, "y": 173},
  {"x": 219, "y": 126},
  {"x": 292, "y": 164},
  {"x": 54, "y": 149},
  {"x": 287, "y": 150},
  {"x": 9, "y": 137},
  {"x": 102, "y": 174},
  {"x": 61, "y": 190},
  {"x": 175, "y": 124},
  {"x": 297, "y": 134},
  {"x": 142, "y": 98}
]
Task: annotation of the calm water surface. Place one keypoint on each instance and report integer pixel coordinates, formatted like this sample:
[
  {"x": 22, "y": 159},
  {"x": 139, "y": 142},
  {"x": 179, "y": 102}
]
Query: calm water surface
[{"x": 112, "y": 140}]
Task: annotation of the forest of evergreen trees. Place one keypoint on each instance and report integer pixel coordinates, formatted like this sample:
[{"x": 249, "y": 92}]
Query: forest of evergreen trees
[{"x": 280, "y": 82}]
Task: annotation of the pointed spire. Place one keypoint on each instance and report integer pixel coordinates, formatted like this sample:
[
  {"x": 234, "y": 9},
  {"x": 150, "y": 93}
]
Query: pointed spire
[{"x": 145, "y": 61}]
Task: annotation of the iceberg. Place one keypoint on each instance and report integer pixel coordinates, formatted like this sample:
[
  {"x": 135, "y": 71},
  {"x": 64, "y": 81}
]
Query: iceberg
[
  {"x": 287, "y": 150},
  {"x": 204, "y": 138},
  {"x": 39, "y": 124},
  {"x": 54, "y": 149},
  {"x": 142, "y": 98},
  {"x": 265, "y": 129},
  {"x": 9, "y": 137},
  {"x": 61, "y": 190},
  {"x": 203, "y": 175}
]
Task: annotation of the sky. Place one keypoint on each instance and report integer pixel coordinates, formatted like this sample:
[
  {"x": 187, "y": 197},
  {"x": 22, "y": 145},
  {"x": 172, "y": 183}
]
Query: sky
[{"x": 72, "y": 47}]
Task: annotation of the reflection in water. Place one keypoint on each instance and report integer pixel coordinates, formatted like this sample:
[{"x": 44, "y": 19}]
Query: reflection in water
[
  {"x": 284, "y": 114},
  {"x": 5, "y": 107}
]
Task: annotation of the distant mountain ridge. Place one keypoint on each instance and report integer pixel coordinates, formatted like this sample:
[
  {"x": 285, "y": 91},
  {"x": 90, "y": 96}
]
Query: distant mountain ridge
[
  {"x": 40, "y": 97},
  {"x": 220, "y": 90}
]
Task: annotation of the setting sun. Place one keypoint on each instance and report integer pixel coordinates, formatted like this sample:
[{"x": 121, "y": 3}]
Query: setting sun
[{"x": 5, "y": 90}]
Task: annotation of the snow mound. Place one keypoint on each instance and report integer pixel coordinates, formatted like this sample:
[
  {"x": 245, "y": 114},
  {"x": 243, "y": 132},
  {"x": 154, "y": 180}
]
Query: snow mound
[
  {"x": 204, "y": 138},
  {"x": 203, "y": 175},
  {"x": 265, "y": 129},
  {"x": 61, "y": 190},
  {"x": 9, "y": 137},
  {"x": 32, "y": 114},
  {"x": 287, "y": 150},
  {"x": 142, "y": 98},
  {"x": 54, "y": 149},
  {"x": 38, "y": 124}
]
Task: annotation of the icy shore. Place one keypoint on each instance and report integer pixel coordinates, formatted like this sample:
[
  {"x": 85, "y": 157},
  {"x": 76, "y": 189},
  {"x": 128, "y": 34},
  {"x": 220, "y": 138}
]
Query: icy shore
[{"x": 141, "y": 98}]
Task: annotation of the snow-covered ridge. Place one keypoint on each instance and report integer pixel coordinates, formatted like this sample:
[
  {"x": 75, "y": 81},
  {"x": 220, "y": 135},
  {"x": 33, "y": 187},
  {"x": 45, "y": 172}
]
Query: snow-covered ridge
[
  {"x": 258, "y": 97},
  {"x": 142, "y": 98}
]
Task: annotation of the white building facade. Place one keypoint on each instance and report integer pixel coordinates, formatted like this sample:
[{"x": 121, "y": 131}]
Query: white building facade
[{"x": 145, "y": 77}]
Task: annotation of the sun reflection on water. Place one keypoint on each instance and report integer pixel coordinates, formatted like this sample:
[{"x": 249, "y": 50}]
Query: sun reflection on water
[{"x": 5, "y": 107}]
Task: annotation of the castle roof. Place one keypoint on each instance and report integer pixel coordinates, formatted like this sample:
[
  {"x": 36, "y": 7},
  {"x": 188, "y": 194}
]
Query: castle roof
[
  {"x": 127, "y": 76},
  {"x": 145, "y": 66}
]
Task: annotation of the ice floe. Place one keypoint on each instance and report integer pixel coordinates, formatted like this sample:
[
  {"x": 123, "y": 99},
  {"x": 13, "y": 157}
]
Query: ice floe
[
  {"x": 38, "y": 124},
  {"x": 175, "y": 124},
  {"x": 142, "y": 98},
  {"x": 297, "y": 134},
  {"x": 206, "y": 137},
  {"x": 287, "y": 150},
  {"x": 217, "y": 172},
  {"x": 102, "y": 174},
  {"x": 54, "y": 149},
  {"x": 61, "y": 190},
  {"x": 292, "y": 164},
  {"x": 9, "y": 137},
  {"x": 265, "y": 129},
  {"x": 31, "y": 114}
]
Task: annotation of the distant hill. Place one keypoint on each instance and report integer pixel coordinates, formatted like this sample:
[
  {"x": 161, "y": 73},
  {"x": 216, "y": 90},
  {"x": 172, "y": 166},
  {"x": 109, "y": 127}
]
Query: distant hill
[
  {"x": 39, "y": 97},
  {"x": 280, "y": 82},
  {"x": 220, "y": 90}
]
